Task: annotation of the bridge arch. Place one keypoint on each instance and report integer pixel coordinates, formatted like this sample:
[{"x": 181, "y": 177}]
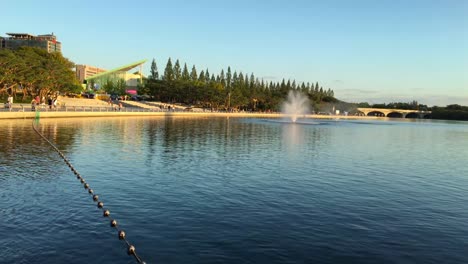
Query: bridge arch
[
  {"x": 412, "y": 115},
  {"x": 395, "y": 115},
  {"x": 375, "y": 113}
]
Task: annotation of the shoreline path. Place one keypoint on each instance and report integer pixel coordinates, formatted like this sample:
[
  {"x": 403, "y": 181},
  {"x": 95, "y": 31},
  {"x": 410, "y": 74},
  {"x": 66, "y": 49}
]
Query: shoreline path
[{"x": 77, "y": 107}]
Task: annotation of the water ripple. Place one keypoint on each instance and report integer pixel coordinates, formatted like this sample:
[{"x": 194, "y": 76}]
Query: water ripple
[{"x": 235, "y": 190}]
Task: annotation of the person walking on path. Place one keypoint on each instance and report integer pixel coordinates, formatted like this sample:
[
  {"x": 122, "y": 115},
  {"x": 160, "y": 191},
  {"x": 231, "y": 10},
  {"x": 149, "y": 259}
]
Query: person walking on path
[
  {"x": 10, "y": 101},
  {"x": 33, "y": 105},
  {"x": 49, "y": 101}
]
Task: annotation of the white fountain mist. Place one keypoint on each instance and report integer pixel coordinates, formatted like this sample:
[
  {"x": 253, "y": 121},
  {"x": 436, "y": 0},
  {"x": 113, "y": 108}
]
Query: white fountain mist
[{"x": 296, "y": 105}]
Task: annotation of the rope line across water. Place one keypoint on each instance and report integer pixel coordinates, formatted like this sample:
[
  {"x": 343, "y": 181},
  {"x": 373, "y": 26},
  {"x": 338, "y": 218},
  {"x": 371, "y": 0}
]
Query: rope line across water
[{"x": 105, "y": 212}]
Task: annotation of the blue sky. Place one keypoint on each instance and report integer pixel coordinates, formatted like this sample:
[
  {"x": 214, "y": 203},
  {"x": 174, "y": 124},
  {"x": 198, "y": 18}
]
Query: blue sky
[{"x": 365, "y": 50}]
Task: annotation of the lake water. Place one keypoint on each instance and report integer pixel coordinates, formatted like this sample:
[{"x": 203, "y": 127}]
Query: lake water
[{"x": 220, "y": 190}]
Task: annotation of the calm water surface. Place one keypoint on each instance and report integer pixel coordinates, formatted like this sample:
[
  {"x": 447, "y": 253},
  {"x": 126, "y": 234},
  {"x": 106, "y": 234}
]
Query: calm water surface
[{"x": 218, "y": 190}]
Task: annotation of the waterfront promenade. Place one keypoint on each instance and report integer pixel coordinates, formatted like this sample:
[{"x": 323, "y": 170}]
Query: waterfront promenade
[{"x": 73, "y": 107}]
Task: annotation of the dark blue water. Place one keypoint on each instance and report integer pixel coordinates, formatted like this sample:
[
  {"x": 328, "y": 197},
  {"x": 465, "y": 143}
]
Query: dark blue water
[{"x": 217, "y": 190}]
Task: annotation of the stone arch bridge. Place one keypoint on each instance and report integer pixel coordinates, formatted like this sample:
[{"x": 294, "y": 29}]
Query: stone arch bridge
[{"x": 396, "y": 113}]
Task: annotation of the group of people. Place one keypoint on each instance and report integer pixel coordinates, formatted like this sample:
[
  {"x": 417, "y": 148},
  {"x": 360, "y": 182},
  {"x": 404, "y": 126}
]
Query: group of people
[
  {"x": 114, "y": 106},
  {"x": 51, "y": 102}
]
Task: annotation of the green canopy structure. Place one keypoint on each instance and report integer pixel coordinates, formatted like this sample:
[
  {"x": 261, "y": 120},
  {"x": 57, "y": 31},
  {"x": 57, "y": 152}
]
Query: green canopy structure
[{"x": 114, "y": 75}]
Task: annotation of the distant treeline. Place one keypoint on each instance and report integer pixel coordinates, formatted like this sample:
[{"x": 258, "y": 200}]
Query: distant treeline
[
  {"x": 450, "y": 112},
  {"x": 226, "y": 89},
  {"x": 414, "y": 105}
]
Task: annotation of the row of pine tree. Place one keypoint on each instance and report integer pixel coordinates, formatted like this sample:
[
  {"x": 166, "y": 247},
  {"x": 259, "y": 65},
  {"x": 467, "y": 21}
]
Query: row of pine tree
[{"x": 227, "y": 89}]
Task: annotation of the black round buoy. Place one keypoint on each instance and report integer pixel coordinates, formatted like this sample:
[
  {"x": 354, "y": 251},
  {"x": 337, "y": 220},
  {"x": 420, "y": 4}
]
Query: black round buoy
[
  {"x": 131, "y": 250},
  {"x": 100, "y": 204},
  {"x": 90, "y": 191},
  {"x": 121, "y": 234},
  {"x": 113, "y": 223},
  {"x": 95, "y": 197},
  {"x": 82, "y": 180},
  {"x": 106, "y": 213},
  {"x": 86, "y": 186}
]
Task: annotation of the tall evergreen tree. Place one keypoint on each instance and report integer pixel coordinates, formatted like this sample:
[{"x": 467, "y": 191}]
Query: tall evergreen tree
[
  {"x": 193, "y": 74},
  {"x": 169, "y": 71},
  {"x": 177, "y": 70},
  {"x": 222, "y": 78},
  {"x": 185, "y": 74},
  {"x": 201, "y": 77},
  {"x": 228, "y": 78},
  {"x": 154, "y": 74},
  {"x": 207, "y": 76},
  {"x": 252, "y": 80},
  {"x": 235, "y": 78},
  {"x": 303, "y": 87}
]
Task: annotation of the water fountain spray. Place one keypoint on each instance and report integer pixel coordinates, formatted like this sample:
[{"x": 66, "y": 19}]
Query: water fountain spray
[{"x": 297, "y": 104}]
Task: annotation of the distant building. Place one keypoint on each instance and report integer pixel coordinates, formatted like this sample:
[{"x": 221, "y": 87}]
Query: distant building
[
  {"x": 15, "y": 40},
  {"x": 121, "y": 73},
  {"x": 85, "y": 71}
]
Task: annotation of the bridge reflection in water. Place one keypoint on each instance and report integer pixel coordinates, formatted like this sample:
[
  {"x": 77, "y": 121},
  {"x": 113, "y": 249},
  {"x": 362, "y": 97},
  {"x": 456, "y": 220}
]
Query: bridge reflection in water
[{"x": 396, "y": 113}]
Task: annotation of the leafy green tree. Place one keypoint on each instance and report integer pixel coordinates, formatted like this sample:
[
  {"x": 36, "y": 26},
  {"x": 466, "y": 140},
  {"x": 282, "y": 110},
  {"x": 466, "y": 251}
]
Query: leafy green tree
[
  {"x": 121, "y": 86},
  {"x": 10, "y": 66},
  {"x": 109, "y": 87},
  {"x": 36, "y": 71}
]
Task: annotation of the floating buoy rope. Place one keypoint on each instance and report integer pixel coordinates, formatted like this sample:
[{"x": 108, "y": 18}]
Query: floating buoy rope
[{"x": 105, "y": 212}]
